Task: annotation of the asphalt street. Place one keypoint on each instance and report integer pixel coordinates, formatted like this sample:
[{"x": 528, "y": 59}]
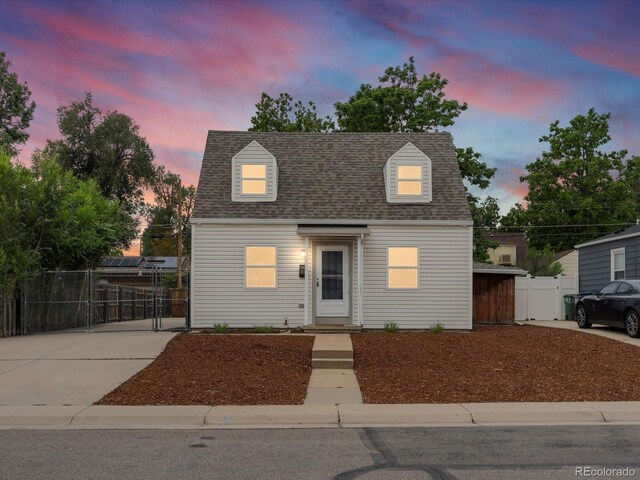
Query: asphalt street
[{"x": 510, "y": 453}]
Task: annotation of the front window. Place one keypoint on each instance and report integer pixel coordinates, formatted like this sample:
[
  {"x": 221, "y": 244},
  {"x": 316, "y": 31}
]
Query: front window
[
  {"x": 410, "y": 180},
  {"x": 260, "y": 267},
  {"x": 402, "y": 265},
  {"x": 618, "y": 264},
  {"x": 254, "y": 179}
]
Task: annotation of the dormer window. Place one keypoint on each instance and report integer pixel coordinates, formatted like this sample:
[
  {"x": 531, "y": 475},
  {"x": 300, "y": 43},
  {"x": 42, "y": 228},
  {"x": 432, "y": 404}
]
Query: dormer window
[
  {"x": 254, "y": 179},
  {"x": 254, "y": 175},
  {"x": 409, "y": 180},
  {"x": 407, "y": 176}
]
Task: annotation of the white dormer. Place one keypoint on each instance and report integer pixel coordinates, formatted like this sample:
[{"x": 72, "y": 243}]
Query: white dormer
[
  {"x": 255, "y": 175},
  {"x": 407, "y": 176}
]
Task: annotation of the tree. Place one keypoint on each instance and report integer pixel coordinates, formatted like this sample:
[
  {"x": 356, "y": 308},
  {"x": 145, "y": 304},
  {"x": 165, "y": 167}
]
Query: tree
[
  {"x": 403, "y": 102},
  {"x": 16, "y": 112},
  {"x": 486, "y": 215},
  {"x": 160, "y": 236},
  {"x": 50, "y": 219},
  {"x": 540, "y": 263},
  {"x": 107, "y": 148},
  {"x": 577, "y": 187},
  {"x": 282, "y": 115}
]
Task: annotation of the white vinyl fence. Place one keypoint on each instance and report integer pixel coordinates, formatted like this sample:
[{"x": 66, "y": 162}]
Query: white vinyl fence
[{"x": 542, "y": 298}]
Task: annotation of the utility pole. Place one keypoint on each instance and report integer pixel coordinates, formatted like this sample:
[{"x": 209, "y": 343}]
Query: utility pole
[{"x": 179, "y": 233}]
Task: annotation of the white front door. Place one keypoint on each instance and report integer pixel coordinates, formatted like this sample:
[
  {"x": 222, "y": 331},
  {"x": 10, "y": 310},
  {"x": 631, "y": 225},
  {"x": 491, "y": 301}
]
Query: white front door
[{"x": 332, "y": 281}]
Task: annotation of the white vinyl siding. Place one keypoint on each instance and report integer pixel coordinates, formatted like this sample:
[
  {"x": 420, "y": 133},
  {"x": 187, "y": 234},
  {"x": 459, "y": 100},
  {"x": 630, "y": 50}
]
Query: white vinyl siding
[
  {"x": 254, "y": 175},
  {"x": 407, "y": 176},
  {"x": 444, "y": 282},
  {"x": 219, "y": 294},
  {"x": 443, "y": 294},
  {"x": 618, "y": 263}
]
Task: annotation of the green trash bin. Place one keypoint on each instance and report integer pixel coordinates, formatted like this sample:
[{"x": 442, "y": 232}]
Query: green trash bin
[{"x": 568, "y": 307}]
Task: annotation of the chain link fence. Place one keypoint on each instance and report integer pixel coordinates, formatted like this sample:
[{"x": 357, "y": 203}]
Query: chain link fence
[{"x": 105, "y": 300}]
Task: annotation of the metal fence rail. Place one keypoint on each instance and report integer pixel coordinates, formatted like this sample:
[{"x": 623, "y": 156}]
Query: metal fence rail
[
  {"x": 104, "y": 300},
  {"x": 8, "y": 316}
]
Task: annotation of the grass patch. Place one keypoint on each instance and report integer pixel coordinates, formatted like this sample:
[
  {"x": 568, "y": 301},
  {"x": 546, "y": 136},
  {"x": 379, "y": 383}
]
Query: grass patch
[
  {"x": 220, "y": 328},
  {"x": 437, "y": 328},
  {"x": 391, "y": 327}
]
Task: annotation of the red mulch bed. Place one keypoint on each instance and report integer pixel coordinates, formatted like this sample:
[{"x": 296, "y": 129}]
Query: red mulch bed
[
  {"x": 222, "y": 370},
  {"x": 495, "y": 364}
]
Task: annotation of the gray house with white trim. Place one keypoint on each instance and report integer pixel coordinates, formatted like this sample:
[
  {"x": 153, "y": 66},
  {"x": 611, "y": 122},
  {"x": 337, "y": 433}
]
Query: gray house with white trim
[
  {"x": 311, "y": 229},
  {"x": 611, "y": 257}
]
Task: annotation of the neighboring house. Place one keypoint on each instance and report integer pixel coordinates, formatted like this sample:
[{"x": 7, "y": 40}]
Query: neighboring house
[
  {"x": 331, "y": 229},
  {"x": 512, "y": 248},
  {"x": 569, "y": 261},
  {"x": 608, "y": 258}
]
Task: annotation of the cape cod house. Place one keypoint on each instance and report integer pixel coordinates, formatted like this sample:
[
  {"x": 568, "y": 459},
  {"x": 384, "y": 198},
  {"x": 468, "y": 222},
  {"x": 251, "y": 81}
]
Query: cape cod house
[{"x": 310, "y": 229}]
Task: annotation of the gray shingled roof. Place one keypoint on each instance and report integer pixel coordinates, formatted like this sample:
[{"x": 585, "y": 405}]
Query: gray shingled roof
[{"x": 330, "y": 176}]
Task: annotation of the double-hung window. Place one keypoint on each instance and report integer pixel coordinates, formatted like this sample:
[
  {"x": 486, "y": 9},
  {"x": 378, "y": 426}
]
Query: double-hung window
[
  {"x": 254, "y": 179},
  {"x": 410, "y": 180},
  {"x": 618, "y": 263},
  {"x": 260, "y": 267},
  {"x": 402, "y": 267}
]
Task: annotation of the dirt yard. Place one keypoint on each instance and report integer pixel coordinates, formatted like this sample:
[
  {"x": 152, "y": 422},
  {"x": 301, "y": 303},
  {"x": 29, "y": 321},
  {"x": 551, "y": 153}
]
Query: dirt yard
[
  {"x": 208, "y": 369},
  {"x": 495, "y": 364}
]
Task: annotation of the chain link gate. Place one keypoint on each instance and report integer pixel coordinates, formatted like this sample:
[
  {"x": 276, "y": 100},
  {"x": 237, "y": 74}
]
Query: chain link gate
[{"x": 105, "y": 301}]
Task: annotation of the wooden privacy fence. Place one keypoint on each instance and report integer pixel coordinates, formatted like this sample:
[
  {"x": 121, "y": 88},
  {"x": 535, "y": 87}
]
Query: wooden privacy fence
[
  {"x": 8, "y": 316},
  {"x": 493, "y": 299}
]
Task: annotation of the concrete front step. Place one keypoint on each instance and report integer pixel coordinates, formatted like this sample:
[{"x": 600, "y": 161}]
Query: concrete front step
[
  {"x": 333, "y": 352},
  {"x": 332, "y": 328},
  {"x": 335, "y": 363}
]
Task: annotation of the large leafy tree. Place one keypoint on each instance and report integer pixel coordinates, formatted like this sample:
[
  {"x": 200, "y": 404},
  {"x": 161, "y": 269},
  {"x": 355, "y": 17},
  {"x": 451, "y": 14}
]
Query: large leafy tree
[
  {"x": 161, "y": 235},
  {"x": 106, "y": 147},
  {"x": 403, "y": 101},
  {"x": 50, "y": 219},
  {"x": 16, "y": 111},
  {"x": 282, "y": 114},
  {"x": 577, "y": 191}
]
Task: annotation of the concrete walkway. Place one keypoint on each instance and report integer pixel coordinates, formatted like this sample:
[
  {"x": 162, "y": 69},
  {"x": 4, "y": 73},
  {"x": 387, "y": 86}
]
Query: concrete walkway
[
  {"x": 72, "y": 368},
  {"x": 332, "y": 379},
  {"x": 341, "y": 415},
  {"x": 601, "y": 330}
]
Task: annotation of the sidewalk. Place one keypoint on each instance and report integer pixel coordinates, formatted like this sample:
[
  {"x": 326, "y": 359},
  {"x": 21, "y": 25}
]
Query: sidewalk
[{"x": 313, "y": 416}]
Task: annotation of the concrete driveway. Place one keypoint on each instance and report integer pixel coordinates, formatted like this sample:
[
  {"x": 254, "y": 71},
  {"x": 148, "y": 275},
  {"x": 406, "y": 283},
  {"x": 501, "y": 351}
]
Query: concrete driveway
[
  {"x": 72, "y": 368},
  {"x": 602, "y": 330}
]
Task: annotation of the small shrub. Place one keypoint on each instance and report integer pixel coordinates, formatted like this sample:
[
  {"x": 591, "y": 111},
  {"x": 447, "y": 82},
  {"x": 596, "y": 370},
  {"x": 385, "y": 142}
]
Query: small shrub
[
  {"x": 220, "y": 328},
  {"x": 437, "y": 328},
  {"x": 264, "y": 329},
  {"x": 391, "y": 327}
]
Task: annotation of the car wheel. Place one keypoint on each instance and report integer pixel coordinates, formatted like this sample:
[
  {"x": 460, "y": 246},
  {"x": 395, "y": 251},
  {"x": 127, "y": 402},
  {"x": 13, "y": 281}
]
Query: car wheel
[
  {"x": 581, "y": 317},
  {"x": 632, "y": 324}
]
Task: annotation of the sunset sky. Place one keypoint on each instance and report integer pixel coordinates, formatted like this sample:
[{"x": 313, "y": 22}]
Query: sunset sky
[{"x": 182, "y": 68}]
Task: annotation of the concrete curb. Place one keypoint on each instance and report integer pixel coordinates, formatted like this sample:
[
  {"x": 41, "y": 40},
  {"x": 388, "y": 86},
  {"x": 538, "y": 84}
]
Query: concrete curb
[{"x": 313, "y": 416}]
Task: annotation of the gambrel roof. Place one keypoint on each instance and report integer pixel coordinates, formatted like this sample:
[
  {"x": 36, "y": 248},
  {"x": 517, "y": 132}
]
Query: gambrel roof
[{"x": 330, "y": 176}]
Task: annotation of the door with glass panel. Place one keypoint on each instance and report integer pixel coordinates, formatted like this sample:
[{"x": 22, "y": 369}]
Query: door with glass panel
[{"x": 332, "y": 281}]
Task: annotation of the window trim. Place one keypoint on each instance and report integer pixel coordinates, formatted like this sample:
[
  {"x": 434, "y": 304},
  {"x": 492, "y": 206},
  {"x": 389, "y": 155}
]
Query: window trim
[
  {"x": 275, "y": 267},
  {"x": 419, "y": 180},
  {"x": 416, "y": 268},
  {"x": 262, "y": 179},
  {"x": 614, "y": 252}
]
